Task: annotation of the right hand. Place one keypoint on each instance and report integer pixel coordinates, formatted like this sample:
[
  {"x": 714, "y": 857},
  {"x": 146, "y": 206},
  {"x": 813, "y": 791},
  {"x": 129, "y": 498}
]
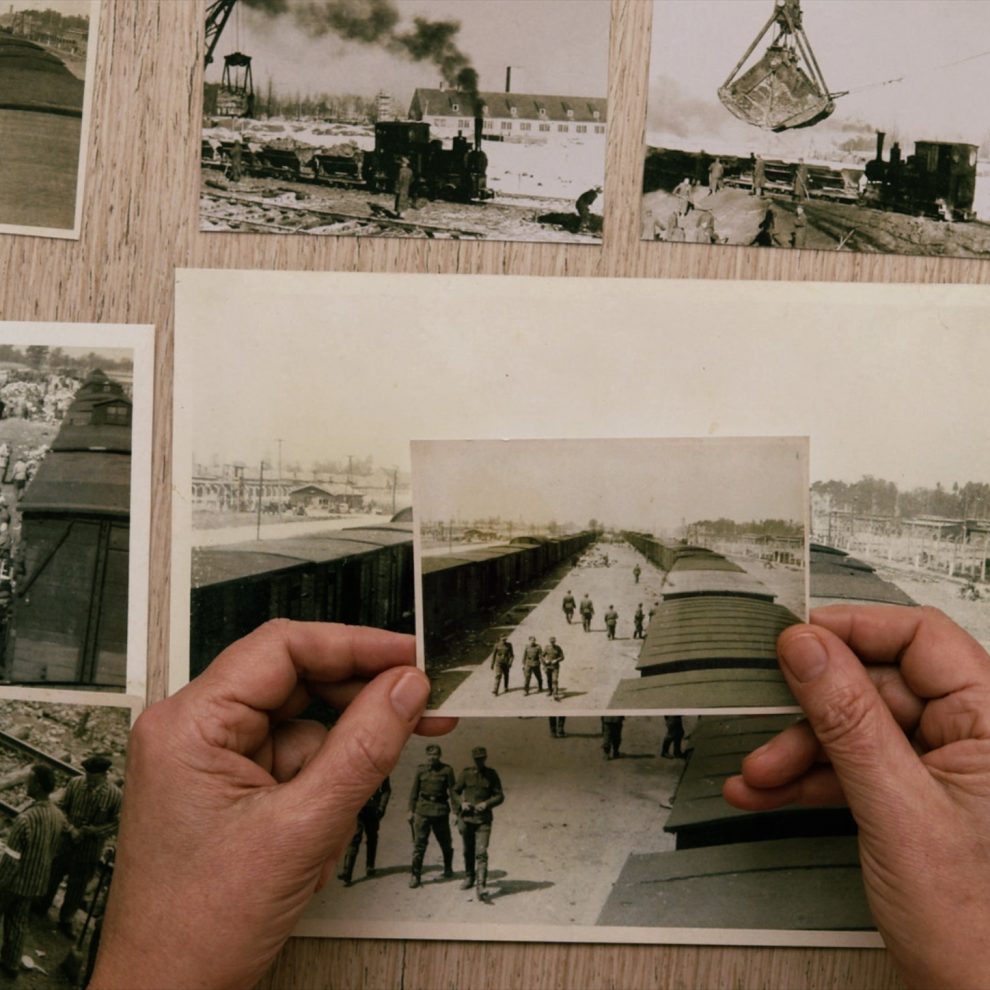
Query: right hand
[{"x": 902, "y": 736}]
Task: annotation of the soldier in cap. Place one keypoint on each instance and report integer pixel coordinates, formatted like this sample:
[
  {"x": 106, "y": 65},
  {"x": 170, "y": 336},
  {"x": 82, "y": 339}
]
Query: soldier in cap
[
  {"x": 92, "y": 806},
  {"x": 587, "y": 610},
  {"x": 502, "y": 657},
  {"x": 429, "y": 811},
  {"x": 369, "y": 819},
  {"x": 480, "y": 790},
  {"x": 569, "y": 606},
  {"x": 28, "y": 853},
  {"x": 552, "y": 657},
  {"x": 637, "y": 570},
  {"x": 639, "y": 616},
  {"x": 611, "y": 620},
  {"x": 532, "y": 656}
]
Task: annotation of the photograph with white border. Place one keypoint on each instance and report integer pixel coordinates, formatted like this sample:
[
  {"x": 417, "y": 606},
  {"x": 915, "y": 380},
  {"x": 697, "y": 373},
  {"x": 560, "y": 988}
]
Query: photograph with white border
[
  {"x": 443, "y": 119},
  {"x": 64, "y": 756},
  {"x": 75, "y": 505},
  {"x": 47, "y": 70},
  {"x": 642, "y": 575},
  {"x": 810, "y": 124}
]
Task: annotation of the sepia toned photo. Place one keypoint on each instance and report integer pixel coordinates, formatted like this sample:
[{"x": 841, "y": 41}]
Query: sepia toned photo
[
  {"x": 75, "y": 448},
  {"x": 634, "y": 575},
  {"x": 61, "y": 787},
  {"x": 606, "y": 829},
  {"x": 47, "y": 59},
  {"x": 816, "y": 125},
  {"x": 300, "y": 505},
  {"x": 406, "y": 118}
]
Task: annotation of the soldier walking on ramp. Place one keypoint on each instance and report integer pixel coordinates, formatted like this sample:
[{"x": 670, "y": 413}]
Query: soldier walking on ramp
[
  {"x": 552, "y": 657},
  {"x": 429, "y": 811},
  {"x": 611, "y": 619},
  {"x": 672, "y": 740},
  {"x": 612, "y": 735},
  {"x": 502, "y": 658},
  {"x": 637, "y": 570},
  {"x": 638, "y": 617},
  {"x": 587, "y": 611},
  {"x": 569, "y": 606},
  {"x": 369, "y": 819},
  {"x": 480, "y": 790},
  {"x": 532, "y": 656}
]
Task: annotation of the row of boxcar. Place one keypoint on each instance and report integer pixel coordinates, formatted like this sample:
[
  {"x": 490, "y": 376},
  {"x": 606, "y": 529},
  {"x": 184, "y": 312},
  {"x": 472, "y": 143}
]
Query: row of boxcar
[
  {"x": 459, "y": 586},
  {"x": 361, "y": 576}
]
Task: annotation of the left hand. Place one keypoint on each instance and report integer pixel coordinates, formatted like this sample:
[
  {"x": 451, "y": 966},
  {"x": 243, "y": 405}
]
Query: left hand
[{"x": 235, "y": 813}]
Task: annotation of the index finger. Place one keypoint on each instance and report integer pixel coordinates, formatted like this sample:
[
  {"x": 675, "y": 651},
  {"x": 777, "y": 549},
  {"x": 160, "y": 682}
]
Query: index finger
[
  {"x": 263, "y": 669},
  {"x": 936, "y": 656}
]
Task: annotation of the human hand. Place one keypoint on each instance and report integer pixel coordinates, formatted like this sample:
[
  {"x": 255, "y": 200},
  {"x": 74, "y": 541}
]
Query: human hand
[
  {"x": 905, "y": 741},
  {"x": 235, "y": 812}
]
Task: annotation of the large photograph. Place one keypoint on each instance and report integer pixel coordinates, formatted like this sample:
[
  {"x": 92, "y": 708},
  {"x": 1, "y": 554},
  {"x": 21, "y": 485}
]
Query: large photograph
[
  {"x": 811, "y": 124},
  {"x": 620, "y": 569},
  {"x": 406, "y": 118},
  {"x": 47, "y": 59},
  {"x": 75, "y": 452},
  {"x": 61, "y": 789}
]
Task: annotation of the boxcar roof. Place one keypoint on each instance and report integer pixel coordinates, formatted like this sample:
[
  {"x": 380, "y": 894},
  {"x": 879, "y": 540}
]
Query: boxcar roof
[
  {"x": 837, "y": 577},
  {"x": 714, "y": 631},
  {"x": 216, "y": 565},
  {"x": 682, "y": 583},
  {"x": 80, "y": 482},
  {"x": 463, "y": 557},
  {"x": 703, "y": 562},
  {"x": 737, "y": 687},
  {"x": 800, "y": 884}
]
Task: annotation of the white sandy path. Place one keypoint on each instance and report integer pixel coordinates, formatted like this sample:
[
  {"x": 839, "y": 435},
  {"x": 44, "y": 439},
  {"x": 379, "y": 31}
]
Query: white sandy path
[
  {"x": 593, "y": 665},
  {"x": 569, "y": 821}
]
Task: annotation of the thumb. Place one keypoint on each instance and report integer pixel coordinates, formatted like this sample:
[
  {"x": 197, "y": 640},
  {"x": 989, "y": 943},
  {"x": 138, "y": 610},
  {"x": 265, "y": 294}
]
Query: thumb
[
  {"x": 879, "y": 771},
  {"x": 359, "y": 752}
]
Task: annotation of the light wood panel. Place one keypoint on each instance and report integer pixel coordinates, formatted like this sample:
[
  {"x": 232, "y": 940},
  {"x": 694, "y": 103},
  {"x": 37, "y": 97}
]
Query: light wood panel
[{"x": 139, "y": 224}]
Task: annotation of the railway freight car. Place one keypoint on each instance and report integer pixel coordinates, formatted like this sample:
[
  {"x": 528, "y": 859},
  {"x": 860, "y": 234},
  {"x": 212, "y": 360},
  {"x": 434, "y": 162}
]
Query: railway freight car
[
  {"x": 361, "y": 576},
  {"x": 69, "y": 616},
  {"x": 458, "y": 587}
]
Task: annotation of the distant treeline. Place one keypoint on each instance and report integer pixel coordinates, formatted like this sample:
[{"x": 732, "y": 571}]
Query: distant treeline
[
  {"x": 728, "y": 529},
  {"x": 346, "y": 107},
  {"x": 874, "y": 496},
  {"x": 54, "y": 359}
]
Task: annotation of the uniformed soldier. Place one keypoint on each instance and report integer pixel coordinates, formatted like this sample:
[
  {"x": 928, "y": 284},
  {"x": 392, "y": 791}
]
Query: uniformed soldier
[
  {"x": 638, "y": 618},
  {"x": 612, "y": 735},
  {"x": 673, "y": 737},
  {"x": 637, "y": 570},
  {"x": 502, "y": 657},
  {"x": 369, "y": 818},
  {"x": 611, "y": 620},
  {"x": 480, "y": 790},
  {"x": 532, "y": 656},
  {"x": 587, "y": 611},
  {"x": 557, "y": 726},
  {"x": 429, "y": 811},
  {"x": 552, "y": 657},
  {"x": 569, "y": 606}
]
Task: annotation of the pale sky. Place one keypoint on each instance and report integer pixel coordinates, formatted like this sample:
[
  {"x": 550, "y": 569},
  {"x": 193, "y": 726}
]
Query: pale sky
[
  {"x": 697, "y": 43},
  {"x": 886, "y": 380},
  {"x": 647, "y": 484},
  {"x": 556, "y": 47}
]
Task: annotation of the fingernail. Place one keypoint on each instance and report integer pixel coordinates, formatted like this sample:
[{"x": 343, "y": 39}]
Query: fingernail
[
  {"x": 409, "y": 695},
  {"x": 804, "y": 656}
]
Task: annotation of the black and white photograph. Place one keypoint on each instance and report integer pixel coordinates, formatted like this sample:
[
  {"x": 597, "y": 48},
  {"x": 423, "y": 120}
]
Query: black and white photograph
[
  {"x": 638, "y": 575},
  {"x": 47, "y": 55},
  {"x": 604, "y": 829},
  {"x": 300, "y": 505},
  {"x": 444, "y": 119},
  {"x": 75, "y": 449},
  {"x": 61, "y": 788},
  {"x": 817, "y": 125}
]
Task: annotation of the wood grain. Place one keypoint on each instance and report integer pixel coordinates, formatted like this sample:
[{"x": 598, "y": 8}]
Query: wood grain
[{"x": 139, "y": 225}]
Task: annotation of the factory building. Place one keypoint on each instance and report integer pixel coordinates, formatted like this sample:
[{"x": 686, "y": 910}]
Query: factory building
[{"x": 515, "y": 117}]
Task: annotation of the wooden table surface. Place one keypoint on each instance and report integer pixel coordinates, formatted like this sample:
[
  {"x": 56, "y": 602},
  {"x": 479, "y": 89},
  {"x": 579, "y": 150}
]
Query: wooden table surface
[{"x": 140, "y": 224}]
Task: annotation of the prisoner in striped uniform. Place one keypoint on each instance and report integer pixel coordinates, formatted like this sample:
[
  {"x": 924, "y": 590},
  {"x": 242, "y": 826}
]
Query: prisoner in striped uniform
[
  {"x": 26, "y": 862},
  {"x": 92, "y": 806}
]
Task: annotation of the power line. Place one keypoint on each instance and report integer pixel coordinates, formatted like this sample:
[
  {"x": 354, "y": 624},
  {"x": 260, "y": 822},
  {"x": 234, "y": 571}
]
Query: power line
[{"x": 933, "y": 68}]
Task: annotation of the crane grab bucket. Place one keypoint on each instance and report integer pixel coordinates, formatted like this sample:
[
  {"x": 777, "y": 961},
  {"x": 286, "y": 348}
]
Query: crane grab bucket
[{"x": 785, "y": 88}]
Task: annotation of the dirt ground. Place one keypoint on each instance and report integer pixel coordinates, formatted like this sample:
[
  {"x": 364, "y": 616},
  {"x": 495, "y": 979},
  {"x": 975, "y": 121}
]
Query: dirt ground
[{"x": 569, "y": 821}]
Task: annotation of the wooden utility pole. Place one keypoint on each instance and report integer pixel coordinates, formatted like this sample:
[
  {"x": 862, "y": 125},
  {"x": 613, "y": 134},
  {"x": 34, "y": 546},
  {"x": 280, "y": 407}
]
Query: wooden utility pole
[{"x": 261, "y": 489}]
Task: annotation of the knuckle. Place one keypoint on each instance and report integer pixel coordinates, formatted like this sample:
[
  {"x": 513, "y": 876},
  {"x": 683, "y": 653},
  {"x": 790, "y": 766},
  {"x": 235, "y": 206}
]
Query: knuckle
[
  {"x": 845, "y": 719},
  {"x": 367, "y": 758}
]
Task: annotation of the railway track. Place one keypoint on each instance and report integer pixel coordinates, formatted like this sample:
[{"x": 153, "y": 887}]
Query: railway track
[
  {"x": 259, "y": 214},
  {"x": 24, "y": 749}
]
